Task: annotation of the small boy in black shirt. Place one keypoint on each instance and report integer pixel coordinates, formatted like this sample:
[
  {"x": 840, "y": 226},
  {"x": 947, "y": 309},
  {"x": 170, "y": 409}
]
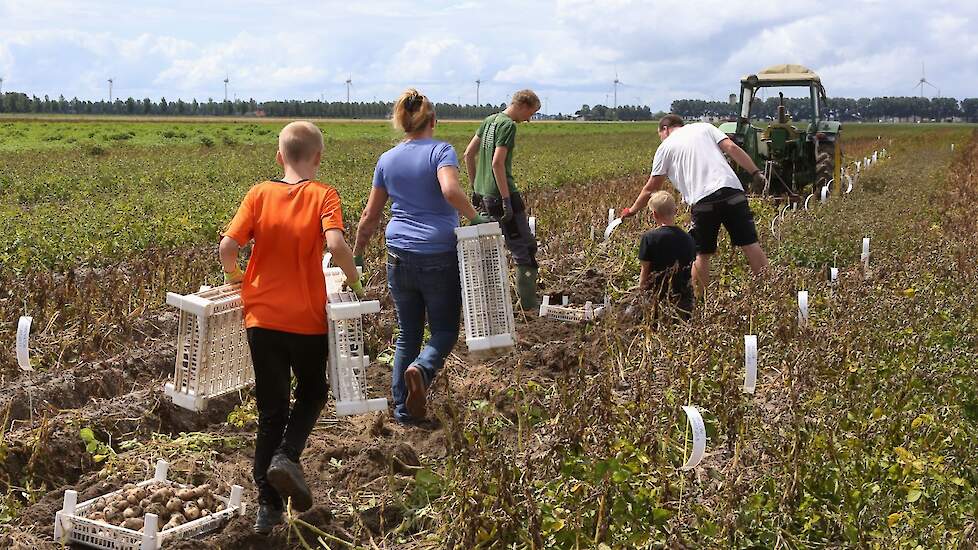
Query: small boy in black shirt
[{"x": 667, "y": 254}]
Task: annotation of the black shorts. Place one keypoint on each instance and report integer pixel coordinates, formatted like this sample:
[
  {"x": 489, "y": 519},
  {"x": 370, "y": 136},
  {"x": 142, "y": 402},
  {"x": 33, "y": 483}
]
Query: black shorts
[{"x": 727, "y": 207}]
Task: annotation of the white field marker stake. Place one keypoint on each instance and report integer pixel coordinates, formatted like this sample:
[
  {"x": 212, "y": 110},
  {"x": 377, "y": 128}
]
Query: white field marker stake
[
  {"x": 613, "y": 223},
  {"x": 952, "y": 147},
  {"x": 533, "y": 225},
  {"x": 23, "y": 345},
  {"x": 750, "y": 363},
  {"x": 699, "y": 437},
  {"x": 864, "y": 257},
  {"x": 825, "y": 194},
  {"x": 802, "y": 308}
]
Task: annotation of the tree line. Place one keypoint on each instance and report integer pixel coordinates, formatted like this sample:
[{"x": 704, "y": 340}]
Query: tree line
[
  {"x": 14, "y": 102},
  {"x": 840, "y": 108}
]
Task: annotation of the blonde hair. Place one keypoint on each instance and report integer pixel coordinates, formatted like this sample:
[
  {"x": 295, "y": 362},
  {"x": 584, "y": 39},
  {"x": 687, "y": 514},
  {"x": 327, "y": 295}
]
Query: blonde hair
[
  {"x": 413, "y": 112},
  {"x": 526, "y": 98},
  {"x": 300, "y": 141},
  {"x": 663, "y": 204}
]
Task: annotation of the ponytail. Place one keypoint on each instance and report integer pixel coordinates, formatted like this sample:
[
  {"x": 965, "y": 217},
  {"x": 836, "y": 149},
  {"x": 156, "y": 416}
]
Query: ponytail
[{"x": 413, "y": 112}]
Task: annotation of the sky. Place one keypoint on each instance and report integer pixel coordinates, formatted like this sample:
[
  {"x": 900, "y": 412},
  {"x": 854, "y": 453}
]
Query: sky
[{"x": 569, "y": 51}]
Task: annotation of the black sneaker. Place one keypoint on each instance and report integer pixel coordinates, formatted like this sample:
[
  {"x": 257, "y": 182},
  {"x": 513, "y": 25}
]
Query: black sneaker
[
  {"x": 268, "y": 517},
  {"x": 287, "y": 479}
]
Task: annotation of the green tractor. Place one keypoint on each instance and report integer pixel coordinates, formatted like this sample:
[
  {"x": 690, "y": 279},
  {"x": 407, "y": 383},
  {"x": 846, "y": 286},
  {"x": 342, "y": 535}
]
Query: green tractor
[{"x": 795, "y": 158}]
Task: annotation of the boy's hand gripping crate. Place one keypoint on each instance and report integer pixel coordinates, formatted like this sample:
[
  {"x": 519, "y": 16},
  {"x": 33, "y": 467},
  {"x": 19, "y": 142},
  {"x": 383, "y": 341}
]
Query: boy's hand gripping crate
[
  {"x": 72, "y": 526},
  {"x": 485, "y": 287},
  {"x": 213, "y": 357},
  {"x": 565, "y": 312},
  {"x": 347, "y": 360}
]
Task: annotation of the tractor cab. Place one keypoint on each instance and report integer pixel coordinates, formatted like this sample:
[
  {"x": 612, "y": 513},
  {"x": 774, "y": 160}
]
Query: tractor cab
[{"x": 794, "y": 156}]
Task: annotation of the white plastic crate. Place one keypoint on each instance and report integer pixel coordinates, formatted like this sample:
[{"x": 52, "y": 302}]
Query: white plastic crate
[
  {"x": 347, "y": 360},
  {"x": 71, "y": 525},
  {"x": 213, "y": 357},
  {"x": 485, "y": 287},
  {"x": 566, "y": 312},
  {"x": 334, "y": 275}
]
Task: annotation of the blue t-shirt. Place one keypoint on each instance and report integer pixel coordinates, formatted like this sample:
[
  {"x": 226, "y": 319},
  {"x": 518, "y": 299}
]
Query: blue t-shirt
[{"x": 422, "y": 221}]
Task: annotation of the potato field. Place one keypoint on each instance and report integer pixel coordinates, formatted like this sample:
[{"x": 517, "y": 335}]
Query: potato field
[{"x": 862, "y": 430}]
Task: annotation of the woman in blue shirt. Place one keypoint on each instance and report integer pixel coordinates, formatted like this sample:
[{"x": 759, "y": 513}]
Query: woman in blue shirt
[{"x": 420, "y": 177}]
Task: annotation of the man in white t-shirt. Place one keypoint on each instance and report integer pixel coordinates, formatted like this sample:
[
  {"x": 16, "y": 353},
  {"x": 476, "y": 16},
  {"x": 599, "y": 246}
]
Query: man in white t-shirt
[{"x": 693, "y": 158}]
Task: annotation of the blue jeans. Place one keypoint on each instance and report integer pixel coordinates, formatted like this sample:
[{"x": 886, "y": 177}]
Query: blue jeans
[{"x": 422, "y": 285}]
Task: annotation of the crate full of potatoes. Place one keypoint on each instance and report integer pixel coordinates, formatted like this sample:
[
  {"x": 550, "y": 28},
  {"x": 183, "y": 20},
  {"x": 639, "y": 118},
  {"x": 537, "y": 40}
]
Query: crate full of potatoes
[{"x": 144, "y": 515}]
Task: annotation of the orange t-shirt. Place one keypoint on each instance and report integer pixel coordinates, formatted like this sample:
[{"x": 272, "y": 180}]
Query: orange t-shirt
[{"x": 283, "y": 287}]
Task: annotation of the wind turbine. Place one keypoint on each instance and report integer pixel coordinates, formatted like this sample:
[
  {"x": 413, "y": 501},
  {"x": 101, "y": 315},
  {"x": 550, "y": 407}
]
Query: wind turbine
[
  {"x": 349, "y": 82},
  {"x": 110, "y": 90},
  {"x": 478, "y": 82},
  {"x": 616, "y": 83},
  {"x": 920, "y": 83},
  {"x": 226, "y": 80},
  {"x": 923, "y": 80}
]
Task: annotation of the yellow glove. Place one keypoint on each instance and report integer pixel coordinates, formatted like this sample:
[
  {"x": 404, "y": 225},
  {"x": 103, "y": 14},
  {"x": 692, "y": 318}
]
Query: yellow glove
[
  {"x": 235, "y": 276},
  {"x": 357, "y": 288}
]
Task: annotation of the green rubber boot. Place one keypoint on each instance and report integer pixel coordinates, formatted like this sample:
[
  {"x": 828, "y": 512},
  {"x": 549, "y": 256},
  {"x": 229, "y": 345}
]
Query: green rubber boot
[{"x": 526, "y": 287}]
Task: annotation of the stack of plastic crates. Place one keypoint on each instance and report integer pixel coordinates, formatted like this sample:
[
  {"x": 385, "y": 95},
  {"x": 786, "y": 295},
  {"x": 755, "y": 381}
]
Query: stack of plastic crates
[
  {"x": 485, "y": 287},
  {"x": 213, "y": 358},
  {"x": 347, "y": 358},
  {"x": 566, "y": 312},
  {"x": 71, "y": 525}
]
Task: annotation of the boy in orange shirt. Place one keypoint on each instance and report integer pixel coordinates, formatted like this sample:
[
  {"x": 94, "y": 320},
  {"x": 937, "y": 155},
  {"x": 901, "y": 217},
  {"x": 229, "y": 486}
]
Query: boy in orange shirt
[{"x": 284, "y": 295}]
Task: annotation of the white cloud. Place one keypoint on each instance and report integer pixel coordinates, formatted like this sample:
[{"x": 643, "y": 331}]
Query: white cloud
[
  {"x": 426, "y": 59},
  {"x": 568, "y": 50}
]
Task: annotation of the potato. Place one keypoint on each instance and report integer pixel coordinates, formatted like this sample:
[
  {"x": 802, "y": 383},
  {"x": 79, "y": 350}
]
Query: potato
[
  {"x": 204, "y": 513},
  {"x": 132, "y": 499},
  {"x": 96, "y": 516},
  {"x": 205, "y": 501},
  {"x": 174, "y": 504},
  {"x": 133, "y": 523},
  {"x": 202, "y": 490},
  {"x": 157, "y": 508},
  {"x": 191, "y": 511},
  {"x": 144, "y": 503},
  {"x": 109, "y": 513},
  {"x": 220, "y": 506},
  {"x": 186, "y": 494},
  {"x": 132, "y": 512},
  {"x": 140, "y": 492},
  {"x": 159, "y": 496},
  {"x": 128, "y": 486}
]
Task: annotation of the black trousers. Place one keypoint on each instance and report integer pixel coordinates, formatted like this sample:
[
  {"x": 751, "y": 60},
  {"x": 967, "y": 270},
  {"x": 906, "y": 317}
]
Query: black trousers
[
  {"x": 273, "y": 355},
  {"x": 519, "y": 239}
]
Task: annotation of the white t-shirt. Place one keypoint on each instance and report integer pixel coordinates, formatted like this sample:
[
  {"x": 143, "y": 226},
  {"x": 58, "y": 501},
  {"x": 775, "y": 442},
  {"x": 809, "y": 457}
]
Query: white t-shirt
[{"x": 694, "y": 163}]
